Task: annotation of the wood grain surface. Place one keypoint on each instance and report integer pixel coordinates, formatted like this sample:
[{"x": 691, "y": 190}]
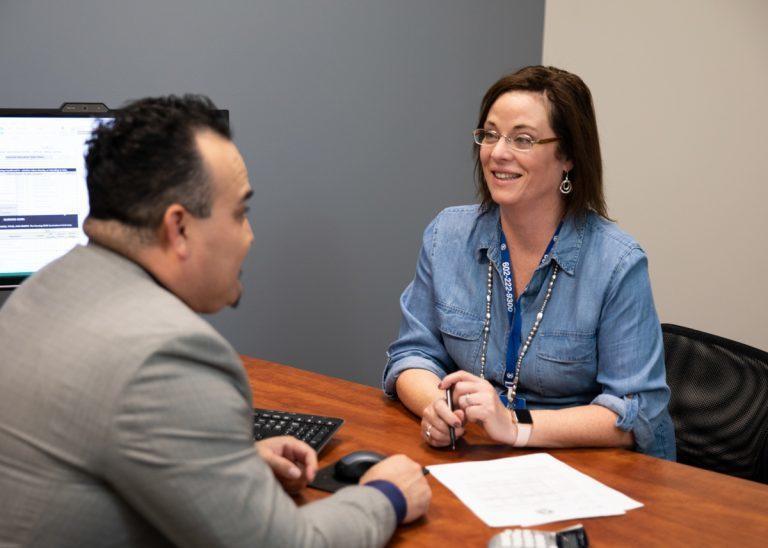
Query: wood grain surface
[{"x": 683, "y": 505}]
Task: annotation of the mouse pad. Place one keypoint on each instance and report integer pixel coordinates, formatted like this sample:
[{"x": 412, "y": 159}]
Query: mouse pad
[{"x": 324, "y": 480}]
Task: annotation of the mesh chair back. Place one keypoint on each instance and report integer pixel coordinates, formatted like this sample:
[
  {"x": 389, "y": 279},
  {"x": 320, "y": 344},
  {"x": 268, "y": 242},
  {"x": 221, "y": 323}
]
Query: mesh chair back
[{"x": 719, "y": 402}]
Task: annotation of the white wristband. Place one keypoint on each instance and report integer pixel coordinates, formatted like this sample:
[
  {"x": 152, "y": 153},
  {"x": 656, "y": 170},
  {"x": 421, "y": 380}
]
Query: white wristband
[{"x": 523, "y": 435}]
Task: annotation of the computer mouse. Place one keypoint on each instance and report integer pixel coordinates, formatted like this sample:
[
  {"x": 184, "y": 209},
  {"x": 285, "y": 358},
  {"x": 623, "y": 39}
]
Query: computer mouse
[{"x": 350, "y": 468}]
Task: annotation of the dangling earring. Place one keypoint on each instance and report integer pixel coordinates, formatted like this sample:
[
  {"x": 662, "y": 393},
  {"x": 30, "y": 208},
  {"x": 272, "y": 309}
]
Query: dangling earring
[{"x": 565, "y": 185}]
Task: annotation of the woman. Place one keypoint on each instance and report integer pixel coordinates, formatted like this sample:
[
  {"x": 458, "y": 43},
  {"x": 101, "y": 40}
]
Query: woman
[{"x": 533, "y": 307}]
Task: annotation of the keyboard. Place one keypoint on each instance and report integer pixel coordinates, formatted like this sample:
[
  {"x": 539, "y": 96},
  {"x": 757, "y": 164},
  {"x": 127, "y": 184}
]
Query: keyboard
[{"x": 316, "y": 430}]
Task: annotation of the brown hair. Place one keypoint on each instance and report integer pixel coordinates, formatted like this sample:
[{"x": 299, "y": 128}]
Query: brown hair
[{"x": 572, "y": 117}]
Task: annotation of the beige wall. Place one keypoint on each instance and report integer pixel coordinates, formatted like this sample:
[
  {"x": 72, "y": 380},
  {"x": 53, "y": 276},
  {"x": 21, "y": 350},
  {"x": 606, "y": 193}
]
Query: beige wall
[{"x": 681, "y": 92}]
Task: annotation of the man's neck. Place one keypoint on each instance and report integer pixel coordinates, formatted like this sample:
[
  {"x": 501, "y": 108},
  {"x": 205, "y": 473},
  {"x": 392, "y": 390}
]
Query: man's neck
[
  {"x": 127, "y": 242},
  {"x": 153, "y": 253}
]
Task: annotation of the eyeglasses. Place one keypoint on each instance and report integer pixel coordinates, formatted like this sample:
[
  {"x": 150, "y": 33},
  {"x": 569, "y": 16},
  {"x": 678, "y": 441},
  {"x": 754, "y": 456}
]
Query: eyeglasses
[{"x": 521, "y": 143}]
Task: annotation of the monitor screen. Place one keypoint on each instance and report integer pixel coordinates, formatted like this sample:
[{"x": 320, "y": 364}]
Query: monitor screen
[{"x": 43, "y": 194}]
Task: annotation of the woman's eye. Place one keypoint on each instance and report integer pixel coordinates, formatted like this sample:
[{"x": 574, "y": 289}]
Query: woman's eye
[{"x": 523, "y": 139}]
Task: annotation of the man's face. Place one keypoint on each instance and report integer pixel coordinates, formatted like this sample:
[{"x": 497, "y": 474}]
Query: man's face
[{"x": 220, "y": 242}]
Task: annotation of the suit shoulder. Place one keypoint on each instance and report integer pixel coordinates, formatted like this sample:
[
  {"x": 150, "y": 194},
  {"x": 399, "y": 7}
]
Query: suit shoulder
[
  {"x": 161, "y": 320},
  {"x": 113, "y": 301}
]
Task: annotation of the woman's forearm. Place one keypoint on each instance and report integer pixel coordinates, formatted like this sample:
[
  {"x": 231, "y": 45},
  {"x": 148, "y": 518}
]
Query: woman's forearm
[
  {"x": 417, "y": 388},
  {"x": 584, "y": 426}
]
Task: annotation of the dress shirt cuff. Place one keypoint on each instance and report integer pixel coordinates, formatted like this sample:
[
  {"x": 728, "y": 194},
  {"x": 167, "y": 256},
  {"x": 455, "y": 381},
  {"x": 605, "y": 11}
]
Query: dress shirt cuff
[
  {"x": 395, "y": 496},
  {"x": 394, "y": 368}
]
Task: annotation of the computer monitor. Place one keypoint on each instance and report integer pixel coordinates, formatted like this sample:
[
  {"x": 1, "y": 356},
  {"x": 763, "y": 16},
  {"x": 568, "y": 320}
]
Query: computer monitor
[{"x": 43, "y": 193}]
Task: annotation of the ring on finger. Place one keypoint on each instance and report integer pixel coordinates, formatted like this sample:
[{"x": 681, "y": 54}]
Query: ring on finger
[{"x": 428, "y": 433}]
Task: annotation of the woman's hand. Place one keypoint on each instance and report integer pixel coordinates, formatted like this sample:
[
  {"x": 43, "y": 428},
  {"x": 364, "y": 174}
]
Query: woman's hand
[
  {"x": 435, "y": 421},
  {"x": 478, "y": 400}
]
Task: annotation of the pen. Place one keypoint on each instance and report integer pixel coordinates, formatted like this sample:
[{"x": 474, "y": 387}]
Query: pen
[{"x": 451, "y": 430}]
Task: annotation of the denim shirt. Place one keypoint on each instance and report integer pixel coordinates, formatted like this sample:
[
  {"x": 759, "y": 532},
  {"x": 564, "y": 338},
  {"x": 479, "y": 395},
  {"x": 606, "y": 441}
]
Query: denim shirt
[{"x": 599, "y": 342}]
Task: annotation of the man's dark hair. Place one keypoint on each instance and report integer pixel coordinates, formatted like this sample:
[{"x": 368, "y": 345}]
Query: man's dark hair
[
  {"x": 572, "y": 117},
  {"x": 147, "y": 159}
]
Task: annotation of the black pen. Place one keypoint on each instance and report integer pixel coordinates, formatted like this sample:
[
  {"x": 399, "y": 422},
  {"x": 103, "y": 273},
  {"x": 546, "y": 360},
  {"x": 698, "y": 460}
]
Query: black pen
[{"x": 451, "y": 430}]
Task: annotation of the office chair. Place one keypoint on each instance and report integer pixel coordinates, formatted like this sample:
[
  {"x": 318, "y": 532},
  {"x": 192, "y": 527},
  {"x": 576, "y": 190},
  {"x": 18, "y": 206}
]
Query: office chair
[{"x": 719, "y": 402}]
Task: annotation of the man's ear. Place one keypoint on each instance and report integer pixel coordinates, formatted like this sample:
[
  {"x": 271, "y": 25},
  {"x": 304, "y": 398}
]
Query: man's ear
[{"x": 174, "y": 230}]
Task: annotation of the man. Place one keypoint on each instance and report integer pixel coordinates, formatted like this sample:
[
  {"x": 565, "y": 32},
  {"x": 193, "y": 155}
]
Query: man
[{"x": 125, "y": 418}]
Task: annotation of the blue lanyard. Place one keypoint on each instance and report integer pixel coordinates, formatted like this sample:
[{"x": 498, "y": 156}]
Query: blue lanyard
[{"x": 515, "y": 320}]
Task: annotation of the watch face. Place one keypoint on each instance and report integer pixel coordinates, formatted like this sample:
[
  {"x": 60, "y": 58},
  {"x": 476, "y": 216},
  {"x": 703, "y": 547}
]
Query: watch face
[{"x": 523, "y": 416}]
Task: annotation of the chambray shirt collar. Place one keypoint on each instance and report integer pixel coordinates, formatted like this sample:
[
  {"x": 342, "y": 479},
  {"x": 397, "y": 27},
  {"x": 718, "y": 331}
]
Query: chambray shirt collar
[
  {"x": 567, "y": 248},
  {"x": 565, "y": 252}
]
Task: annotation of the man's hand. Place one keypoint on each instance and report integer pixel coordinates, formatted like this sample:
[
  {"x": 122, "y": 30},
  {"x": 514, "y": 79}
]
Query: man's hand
[
  {"x": 293, "y": 462},
  {"x": 408, "y": 476}
]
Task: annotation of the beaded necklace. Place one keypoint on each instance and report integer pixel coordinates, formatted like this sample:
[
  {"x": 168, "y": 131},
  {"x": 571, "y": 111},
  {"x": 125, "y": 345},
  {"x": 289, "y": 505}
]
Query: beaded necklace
[{"x": 512, "y": 390}]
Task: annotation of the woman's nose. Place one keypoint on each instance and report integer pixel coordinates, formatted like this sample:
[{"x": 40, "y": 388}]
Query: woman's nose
[{"x": 502, "y": 150}]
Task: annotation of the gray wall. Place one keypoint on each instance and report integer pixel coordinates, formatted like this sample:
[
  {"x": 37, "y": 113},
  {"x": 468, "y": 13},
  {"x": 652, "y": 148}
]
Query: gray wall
[{"x": 354, "y": 118}]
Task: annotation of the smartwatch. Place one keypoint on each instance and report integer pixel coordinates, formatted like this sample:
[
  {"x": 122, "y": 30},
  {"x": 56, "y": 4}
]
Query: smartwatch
[
  {"x": 523, "y": 416},
  {"x": 524, "y": 427}
]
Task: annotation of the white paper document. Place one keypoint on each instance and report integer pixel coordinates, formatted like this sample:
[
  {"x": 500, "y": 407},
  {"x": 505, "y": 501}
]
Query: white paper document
[{"x": 529, "y": 490}]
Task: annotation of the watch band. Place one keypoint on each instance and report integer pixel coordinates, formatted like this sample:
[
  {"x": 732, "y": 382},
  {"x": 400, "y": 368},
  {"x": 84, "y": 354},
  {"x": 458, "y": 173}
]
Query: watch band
[
  {"x": 523, "y": 434},
  {"x": 524, "y": 427}
]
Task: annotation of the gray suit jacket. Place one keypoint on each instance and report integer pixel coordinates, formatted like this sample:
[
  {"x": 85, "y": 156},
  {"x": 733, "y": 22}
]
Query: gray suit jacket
[{"x": 125, "y": 420}]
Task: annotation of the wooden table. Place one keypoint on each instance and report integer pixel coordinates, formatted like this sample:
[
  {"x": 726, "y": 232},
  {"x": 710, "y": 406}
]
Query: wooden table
[{"x": 683, "y": 505}]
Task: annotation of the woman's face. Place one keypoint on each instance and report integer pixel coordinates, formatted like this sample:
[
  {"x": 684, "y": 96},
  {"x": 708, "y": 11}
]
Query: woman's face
[{"x": 530, "y": 178}]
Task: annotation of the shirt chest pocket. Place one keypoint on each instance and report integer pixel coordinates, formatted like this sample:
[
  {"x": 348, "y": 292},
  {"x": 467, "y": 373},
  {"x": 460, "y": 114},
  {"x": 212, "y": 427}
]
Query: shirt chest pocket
[
  {"x": 566, "y": 363},
  {"x": 461, "y": 335}
]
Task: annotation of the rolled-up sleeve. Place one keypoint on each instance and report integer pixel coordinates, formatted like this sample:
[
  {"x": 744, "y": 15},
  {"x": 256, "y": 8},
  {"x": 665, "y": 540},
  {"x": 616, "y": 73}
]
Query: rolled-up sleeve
[
  {"x": 419, "y": 343},
  {"x": 631, "y": 358}
]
